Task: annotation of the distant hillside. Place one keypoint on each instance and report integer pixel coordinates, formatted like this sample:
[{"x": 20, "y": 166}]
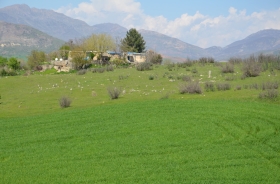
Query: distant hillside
[
  {"x": 263, "y": 41},
  {"x": 18, "y": 40},
  {"x": 60, "y": 26},
  {"x": 169, "y": 46}
]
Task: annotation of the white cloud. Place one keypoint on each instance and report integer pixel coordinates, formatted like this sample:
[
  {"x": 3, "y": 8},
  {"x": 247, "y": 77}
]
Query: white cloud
[{"x": 197, "y": 29}]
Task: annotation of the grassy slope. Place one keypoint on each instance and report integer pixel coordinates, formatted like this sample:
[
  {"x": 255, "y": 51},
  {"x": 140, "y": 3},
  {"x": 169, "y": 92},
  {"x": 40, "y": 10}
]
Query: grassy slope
[
  {"x": 162, "y": 141},
  {"x": 226, "y": 137}
]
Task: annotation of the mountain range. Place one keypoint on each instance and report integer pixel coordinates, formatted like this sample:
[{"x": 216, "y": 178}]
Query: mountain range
[{"x": 62, "y": 28}]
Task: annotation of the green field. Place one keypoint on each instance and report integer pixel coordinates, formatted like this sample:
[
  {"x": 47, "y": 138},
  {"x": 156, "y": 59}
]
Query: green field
[{"x": 151, "y": 134}]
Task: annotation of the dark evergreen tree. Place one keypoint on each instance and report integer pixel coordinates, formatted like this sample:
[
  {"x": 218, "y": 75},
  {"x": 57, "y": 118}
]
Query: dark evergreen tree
[{"x": 133, "y": 42}]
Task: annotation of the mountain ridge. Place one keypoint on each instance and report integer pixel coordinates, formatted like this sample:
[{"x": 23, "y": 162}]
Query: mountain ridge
[{"x": 65, "y": 28}]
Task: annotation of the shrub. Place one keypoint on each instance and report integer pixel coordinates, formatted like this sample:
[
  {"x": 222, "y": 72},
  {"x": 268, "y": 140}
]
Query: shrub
[
  {"x": 153, "y": 57},
  {"x": 223, "y": 86},
  {"x": 251, "y": 68},
  {"x": 82, "y": 72},
  {"x": 186, "y": 78},
  {"x": 205, "y": 60},
  {"x": 114, "y": 92},
  {"x": 228, "y": 68},
  {"x": 3, "y": 72},
  {"x": 122, "y": 77},
  {"x": 270, "y": 85},
  {"x": 235, "y": 60},
  {"x": 238, "y": 87},
  {"x": 191, "y": 88},
  {"x": 254, "y": 86},
  {"x": 144, "y": 66},
  {"x": 109, "y": 68},
  {"x": 98, "y": 70},
  {"x": 271, "y": 94},
  {"x": 151, "y": 77},
  {"x": 64, "y": 102},
  {"x": 166, "y": 96},
  {"x": 209, "y": 86},
  {"x": 194, "y": 70},
  {"x": 230, "y": 78},
  {"x": 170, "y": 66}
]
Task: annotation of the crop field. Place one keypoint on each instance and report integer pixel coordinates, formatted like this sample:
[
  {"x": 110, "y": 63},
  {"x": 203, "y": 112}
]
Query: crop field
[{"x": 151, "y": 134}]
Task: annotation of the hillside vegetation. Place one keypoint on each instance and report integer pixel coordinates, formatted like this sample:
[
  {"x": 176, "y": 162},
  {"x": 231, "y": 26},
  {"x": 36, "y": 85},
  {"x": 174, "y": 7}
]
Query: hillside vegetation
[{"x": 226, "y": 131}]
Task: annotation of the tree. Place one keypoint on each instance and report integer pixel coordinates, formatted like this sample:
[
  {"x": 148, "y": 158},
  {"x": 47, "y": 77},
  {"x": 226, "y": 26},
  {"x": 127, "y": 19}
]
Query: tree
[
  {"x": 3, "y": 61},
  {"x": 14, "y": 63},
  {"x": 99, "y": 43},
  {"x": 133, "y": 42},
  {"x": 79, "y": 61},
  {"x": 153, "y": 57},
  {"x": 36, "y": 58},
  {"x": 64, "y": 51}
]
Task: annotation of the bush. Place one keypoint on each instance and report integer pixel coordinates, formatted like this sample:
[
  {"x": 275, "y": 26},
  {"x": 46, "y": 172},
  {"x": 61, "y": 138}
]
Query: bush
[
  {"x": 4, "y": 72},
  {"x": 223, "y": 86},
  {"x": 82, "y": 72},
  {"x": 238, "y": 87},
  {"x": 151, "y": 77},
  {"x": 64, "y": 102},
  {"x": 98, "y": 70},
  {"x": 109, "y": 68},
  {"x": 209, "y": 86},
  {"x": 122, "y": 77},
  {"x": 194, "y": 70},
  {"x": 144, "y": 66},
  {"x": 230, "y": 78},
  {"x": 254, "y": 86},
  {"x": 270, "y": 85},
  {"x": 191, "y": 88},
  {"x": 170, "y": 66},
  {"x": 271, "y": 94},
  {"x": 153, "y": 57},
  {"x": 228, "y": 68},
  {"x": 186, "y": 78},
  {"x": 114, "y": 92},
  {"x": 235, "y": 60},
  {"x": 251, "y": 68}
]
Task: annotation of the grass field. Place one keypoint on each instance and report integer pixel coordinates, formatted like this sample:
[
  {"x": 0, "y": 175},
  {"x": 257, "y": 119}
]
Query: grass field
[{"x": 151, "y": 134}]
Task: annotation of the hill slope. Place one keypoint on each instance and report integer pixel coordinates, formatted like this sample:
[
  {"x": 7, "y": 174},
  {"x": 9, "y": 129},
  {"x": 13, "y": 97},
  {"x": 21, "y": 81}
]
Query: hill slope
[
  {"x": 60, "y": 26},
  {"x": 18, "y": 40},
  {"x": 262, "y": 41}
]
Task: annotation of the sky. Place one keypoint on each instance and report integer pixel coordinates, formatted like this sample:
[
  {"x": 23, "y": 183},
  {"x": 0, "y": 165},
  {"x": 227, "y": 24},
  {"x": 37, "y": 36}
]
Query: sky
[{"x": 203, "y": 23}]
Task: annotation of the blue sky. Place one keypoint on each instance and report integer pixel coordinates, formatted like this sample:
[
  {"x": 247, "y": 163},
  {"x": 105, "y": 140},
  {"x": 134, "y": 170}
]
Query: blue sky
[{"x": 200, "y": 22}]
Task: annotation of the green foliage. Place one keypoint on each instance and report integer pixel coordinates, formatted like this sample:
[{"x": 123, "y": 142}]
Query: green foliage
[
  {"x": 14, "y": 63},
  {"x": 117, "y": 61},
  {"x": 99, "y": 42},
  {"x": 133, "y": 42},
  {"x": 36, "y": 58},
  {"x": 64, "y": 51},
  {"x": 5, "y": 72},
  {"x": 79, "y": 61},
  {"x": 3, "y": 61}
]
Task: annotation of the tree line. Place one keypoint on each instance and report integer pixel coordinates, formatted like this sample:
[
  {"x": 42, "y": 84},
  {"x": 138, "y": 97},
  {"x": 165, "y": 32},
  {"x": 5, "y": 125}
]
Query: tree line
[{"x": 100, "y": 43}]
